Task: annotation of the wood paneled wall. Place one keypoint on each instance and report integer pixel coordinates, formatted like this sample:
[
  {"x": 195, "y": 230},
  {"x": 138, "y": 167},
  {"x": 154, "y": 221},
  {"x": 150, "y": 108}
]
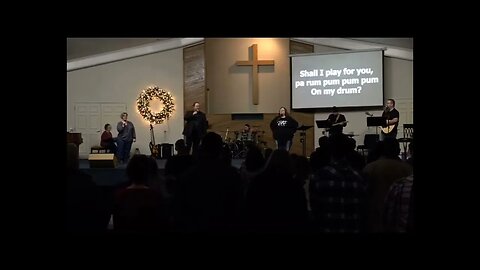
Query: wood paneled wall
[
  {"x": 300, "y": 47},
  {"x": 194, "y": 76}
]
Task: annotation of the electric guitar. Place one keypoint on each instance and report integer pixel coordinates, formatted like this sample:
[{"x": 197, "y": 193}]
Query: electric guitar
[
  {"x": 153, "y": 147},
  {"x": 336, "y": 124},
  {"x": 388, "y": 129},
  {"x": 339, "y": 123}
]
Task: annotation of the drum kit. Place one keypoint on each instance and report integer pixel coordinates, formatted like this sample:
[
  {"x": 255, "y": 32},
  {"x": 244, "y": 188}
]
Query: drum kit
[{"x": 240, "y": 142}]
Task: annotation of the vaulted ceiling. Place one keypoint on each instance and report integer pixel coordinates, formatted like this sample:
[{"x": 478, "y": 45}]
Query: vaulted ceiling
[{"x": 84, "y": 47}]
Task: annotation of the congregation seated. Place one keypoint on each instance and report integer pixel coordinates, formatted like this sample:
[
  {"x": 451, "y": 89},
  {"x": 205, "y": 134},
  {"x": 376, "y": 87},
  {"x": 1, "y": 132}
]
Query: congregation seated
[{"x": 264, "y": 195}]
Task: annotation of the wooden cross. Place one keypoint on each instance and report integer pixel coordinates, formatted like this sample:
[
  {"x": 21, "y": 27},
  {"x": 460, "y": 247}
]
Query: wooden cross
[{"x": 255, "y": 63}]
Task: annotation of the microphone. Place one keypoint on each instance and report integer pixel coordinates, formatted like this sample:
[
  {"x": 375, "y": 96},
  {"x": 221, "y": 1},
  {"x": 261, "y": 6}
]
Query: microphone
[{"x": 369, "y": 114}]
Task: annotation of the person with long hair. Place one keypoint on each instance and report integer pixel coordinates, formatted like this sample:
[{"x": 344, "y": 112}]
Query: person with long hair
[{"x": 283, "y": 127}]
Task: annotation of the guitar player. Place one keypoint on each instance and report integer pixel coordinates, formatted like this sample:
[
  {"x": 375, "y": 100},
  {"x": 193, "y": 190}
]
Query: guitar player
[
  {"x": 337, "y": 121},
  {"x": 391, "y": 120}
]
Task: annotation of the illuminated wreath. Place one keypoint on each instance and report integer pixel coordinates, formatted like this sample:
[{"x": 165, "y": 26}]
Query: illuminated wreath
[{"x": 143, "y": 104}]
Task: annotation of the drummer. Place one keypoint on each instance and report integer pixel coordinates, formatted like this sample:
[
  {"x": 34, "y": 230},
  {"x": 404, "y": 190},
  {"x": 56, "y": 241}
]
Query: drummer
[{"x": 246, "y": 134}]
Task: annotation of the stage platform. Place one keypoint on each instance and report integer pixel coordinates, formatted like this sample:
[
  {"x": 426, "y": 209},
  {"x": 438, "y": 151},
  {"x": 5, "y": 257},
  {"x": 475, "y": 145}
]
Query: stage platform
[{"x": 111, "y": 177}]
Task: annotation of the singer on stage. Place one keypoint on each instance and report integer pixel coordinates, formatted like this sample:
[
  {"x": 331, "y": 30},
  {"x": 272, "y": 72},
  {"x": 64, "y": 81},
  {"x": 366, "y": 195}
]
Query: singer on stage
[
  {"x": 283, "y": 127},
  {"x": 195, "y": 128},
  {"x": 392, "y": 117},
  {"x": 126, "y": 136}
]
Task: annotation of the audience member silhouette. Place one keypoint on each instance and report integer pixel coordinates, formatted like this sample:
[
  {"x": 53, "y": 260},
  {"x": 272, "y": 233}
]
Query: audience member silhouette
[
  {"x": 397, "y": 203},
  {"x": 208, "y": 195},
  {"x": 138, "y": 208},
  {"x": 410, "y": 152},
  {"x": 322, "y": 142},
  {"x": 86, "y": 211},
  {"x": 355, "y": 159},
  {"x": 301, "y": 168},
  {"x": 381, "y": 174},
  {"x": 156, "y": 181},
  {"x": 177, "y": 165},
  {"x": 268, "y": 152},
  {"x": 251, "y": 167},
  {"x": 275, "y": 201},
  {"x": 320, "y": 158},
  {"x": 226, "y": 154},
  {"x": 337, "y": 192},
  {"x": 375, "y": 152}
]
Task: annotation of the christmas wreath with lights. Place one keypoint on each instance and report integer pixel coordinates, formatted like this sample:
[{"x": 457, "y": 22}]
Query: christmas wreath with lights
[{"x": 143, "y": 104}]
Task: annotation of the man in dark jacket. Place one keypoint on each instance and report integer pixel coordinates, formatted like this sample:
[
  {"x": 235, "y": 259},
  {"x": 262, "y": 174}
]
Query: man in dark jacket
[{"x": 195, "y": 128}]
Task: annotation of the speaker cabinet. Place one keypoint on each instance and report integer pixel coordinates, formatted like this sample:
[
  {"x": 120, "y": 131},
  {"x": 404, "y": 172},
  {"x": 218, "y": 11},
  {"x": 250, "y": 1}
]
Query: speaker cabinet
[{"x": 166, "y": 150}]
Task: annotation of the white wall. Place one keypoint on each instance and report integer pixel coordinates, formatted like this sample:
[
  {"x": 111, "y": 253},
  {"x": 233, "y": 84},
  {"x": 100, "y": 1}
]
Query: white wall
[
  {"x": 122, "y": 82},
  {"x": 398, "y": 84}
]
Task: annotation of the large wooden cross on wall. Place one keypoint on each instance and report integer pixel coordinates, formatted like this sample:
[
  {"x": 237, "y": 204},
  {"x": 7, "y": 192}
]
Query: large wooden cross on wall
[{"x": 255, "y": 63}]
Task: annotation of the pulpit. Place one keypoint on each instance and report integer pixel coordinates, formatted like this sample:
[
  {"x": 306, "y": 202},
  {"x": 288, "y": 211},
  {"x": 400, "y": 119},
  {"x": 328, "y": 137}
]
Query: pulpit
[{"x": 75, "y": 138}]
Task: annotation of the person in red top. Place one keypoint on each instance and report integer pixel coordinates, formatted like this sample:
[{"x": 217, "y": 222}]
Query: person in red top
[{"x": 107, "y": 140}]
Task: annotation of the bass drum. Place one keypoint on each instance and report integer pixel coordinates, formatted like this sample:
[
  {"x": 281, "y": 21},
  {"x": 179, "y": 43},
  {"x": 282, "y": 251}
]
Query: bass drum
[{"x": 233, "y": 148}]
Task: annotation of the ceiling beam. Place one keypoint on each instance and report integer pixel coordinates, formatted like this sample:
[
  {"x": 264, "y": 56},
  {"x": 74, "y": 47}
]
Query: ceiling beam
[
  {"x": 350, "y": 44},
  {"x": 150, "y": 48}
]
